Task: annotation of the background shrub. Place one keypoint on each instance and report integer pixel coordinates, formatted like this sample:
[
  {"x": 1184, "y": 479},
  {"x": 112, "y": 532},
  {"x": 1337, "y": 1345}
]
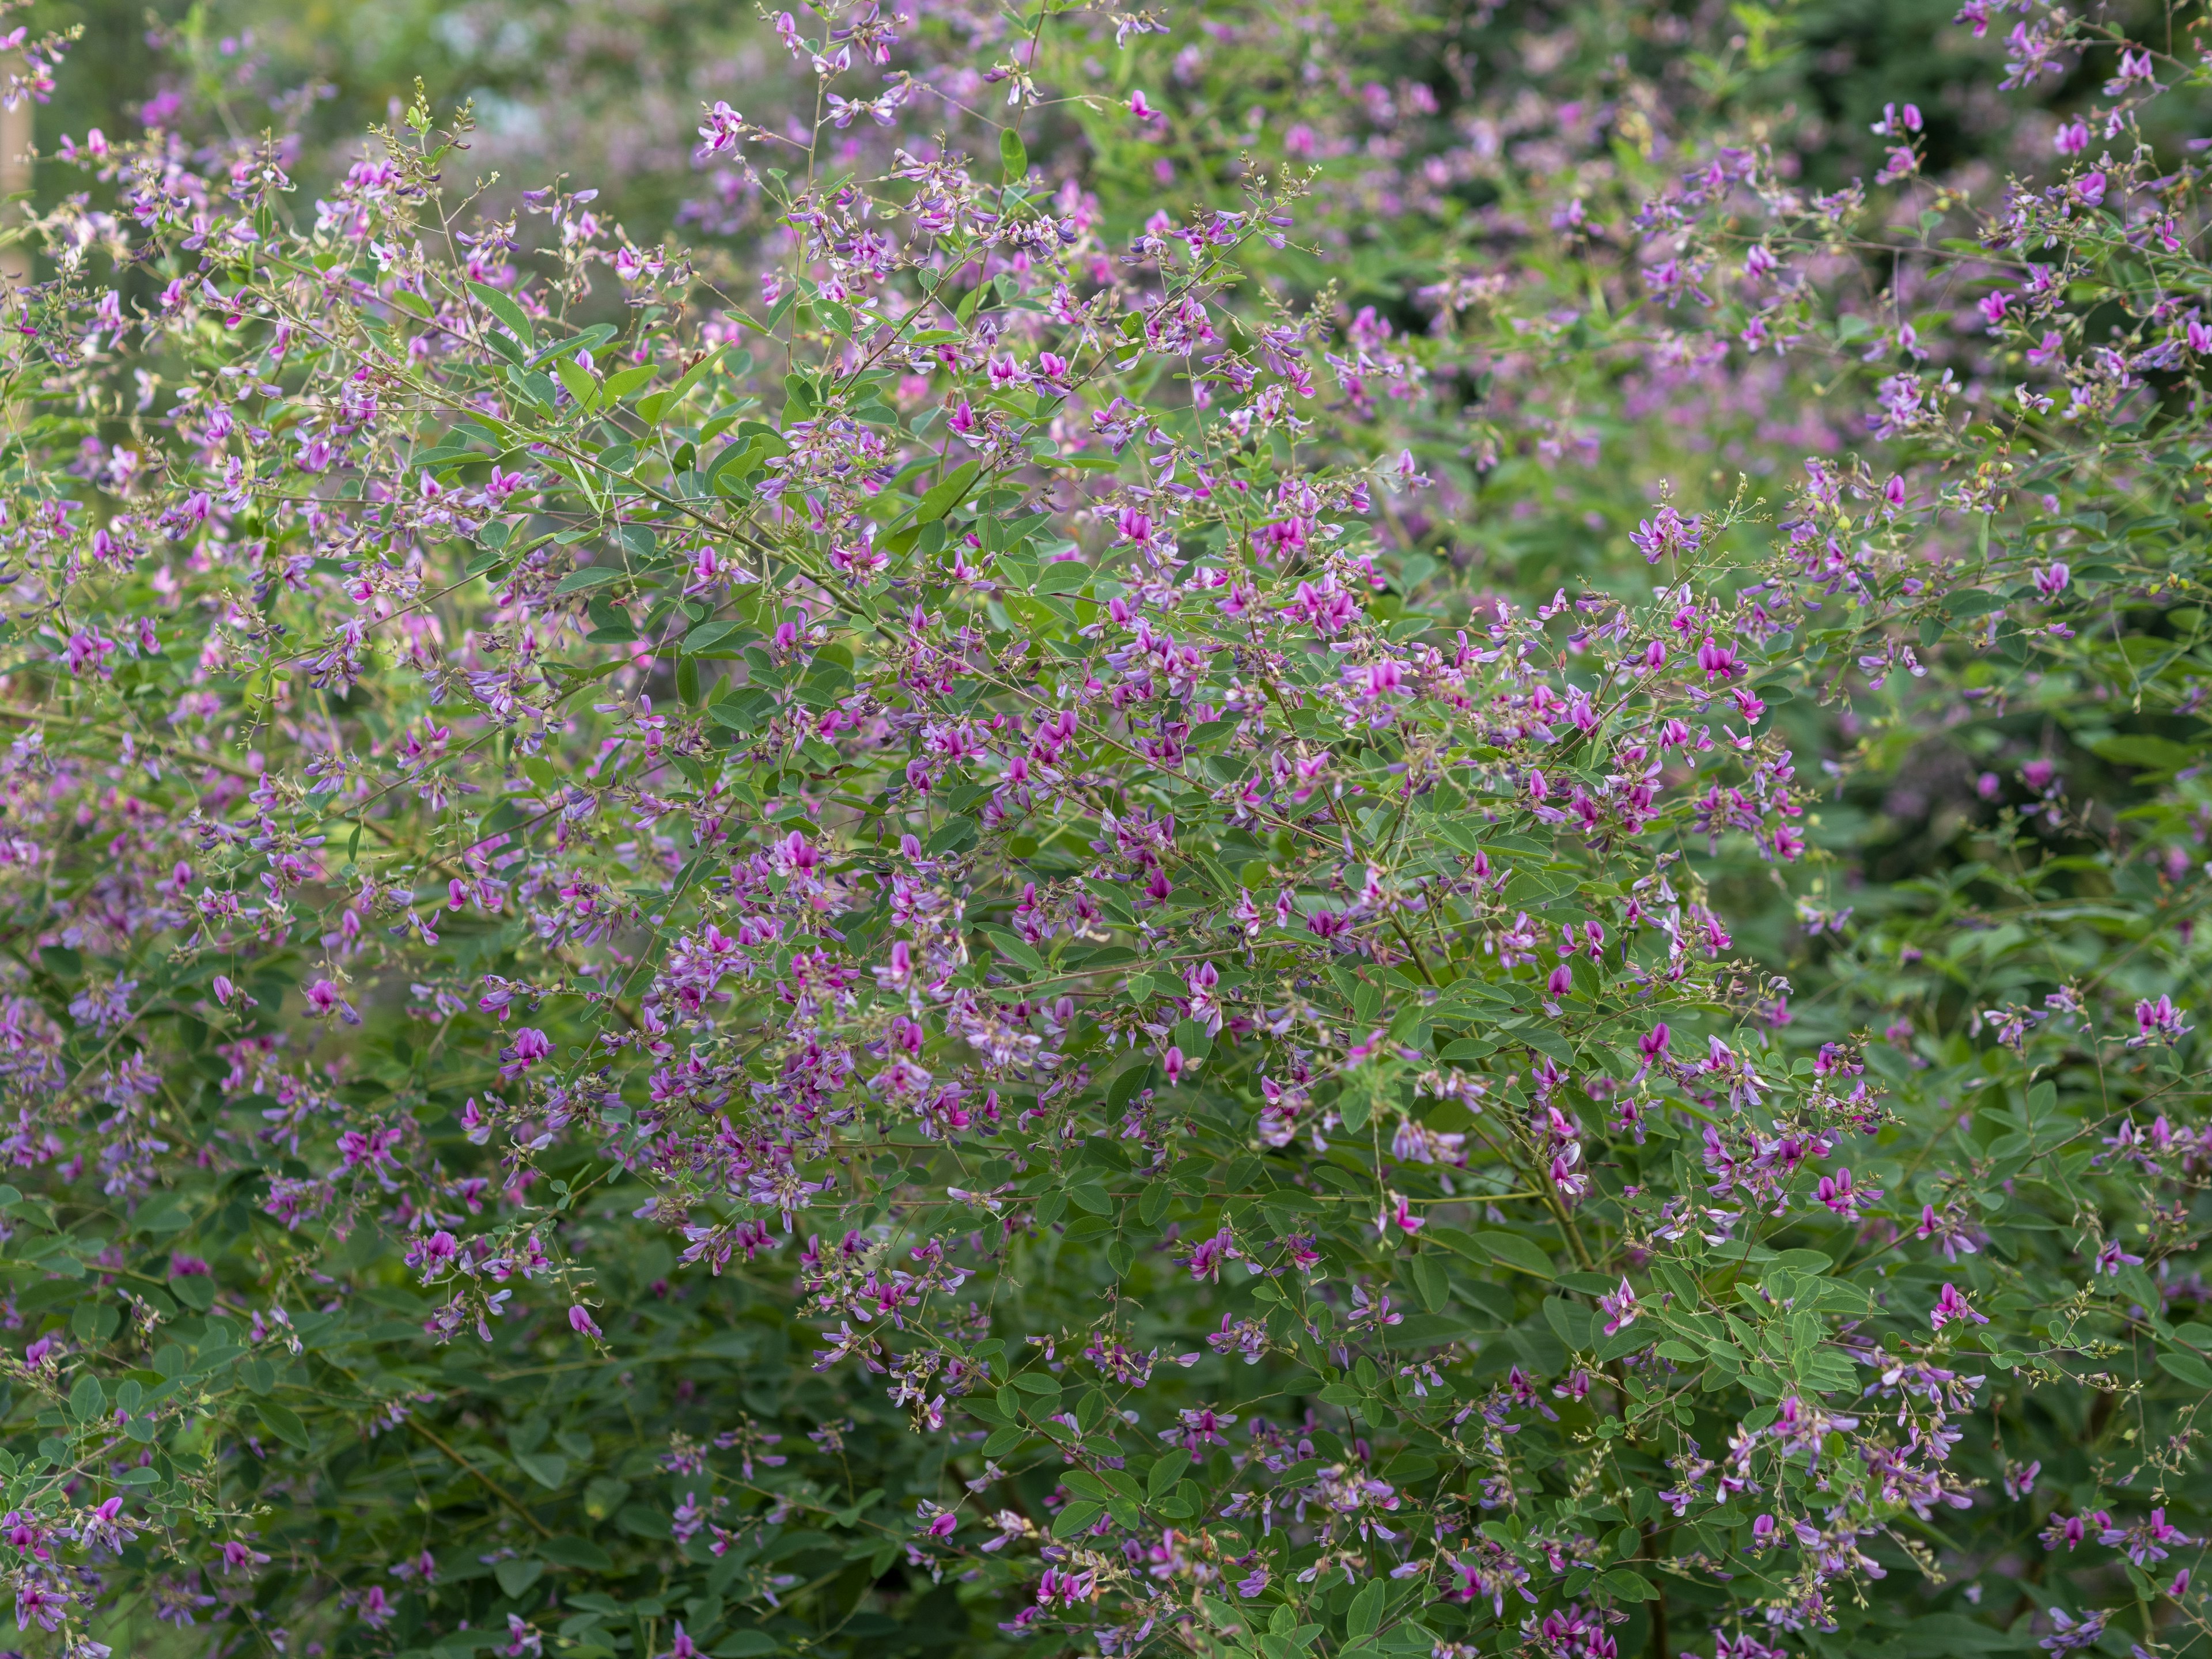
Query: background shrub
[{"x": 1351, "y": 831}]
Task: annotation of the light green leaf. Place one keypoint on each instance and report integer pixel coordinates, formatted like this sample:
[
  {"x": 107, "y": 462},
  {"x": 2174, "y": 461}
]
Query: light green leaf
[
  {"x": 948, "y": 492},
  {"x": 507, "y": 311},
  {"x": 591, "y": 575},
  {"x": 1365, "y": 1617},
  {"x": 578, "y": 378}
]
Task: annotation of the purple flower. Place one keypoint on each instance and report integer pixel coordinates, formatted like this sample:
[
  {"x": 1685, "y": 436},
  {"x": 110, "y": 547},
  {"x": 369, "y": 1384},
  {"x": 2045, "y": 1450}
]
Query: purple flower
[
  {"x": 2145, "y": 1542},
  {"x": 1206, "y": 1256},
  {"x": 323, "y": 1000},
  {"x": 530, "y": 1046},
  {"x": 1838, "y": 1193},
  {"x": 1619, "y": 1307},
  {"x": 1667, "y": 531},
  {"x": 45, "y": 1603},
  {"x": 2070, "y": 1635},
  {"x": 2158, "y": 1022},
  {"x": 1951, "y": 1306},
  {"x": 936, "y": 1522}
]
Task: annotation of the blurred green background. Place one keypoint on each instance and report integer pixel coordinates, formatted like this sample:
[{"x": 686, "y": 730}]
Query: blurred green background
[{"x": 608, "y": 91}]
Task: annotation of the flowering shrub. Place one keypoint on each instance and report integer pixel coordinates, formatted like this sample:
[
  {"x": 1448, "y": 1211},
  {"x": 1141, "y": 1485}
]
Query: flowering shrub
[{"x": 1071, "y": 924}]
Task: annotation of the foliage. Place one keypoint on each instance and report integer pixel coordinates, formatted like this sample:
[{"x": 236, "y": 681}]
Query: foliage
[{"x": 1021, "y": 912}]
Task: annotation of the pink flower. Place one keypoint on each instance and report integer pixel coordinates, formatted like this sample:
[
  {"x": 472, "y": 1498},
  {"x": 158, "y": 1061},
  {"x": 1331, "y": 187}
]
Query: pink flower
[
  {"x": 323, "y": 1000},
  {"x": 1619, "y": 1308},
  {"x": 1951, "y": 1306},
  {"x": 2158, "y": 1022},
  {"x": 237, "y": 1556},
  {"x": 530, "y": 1046},
  {"x": 44, "y": 1602},
  {"x": 936, "y": 1523},
  {"x": 1401, "y": 1216},
  {"x": 1838, "y": 1194},
  {"x": 581, "y": 1322}
]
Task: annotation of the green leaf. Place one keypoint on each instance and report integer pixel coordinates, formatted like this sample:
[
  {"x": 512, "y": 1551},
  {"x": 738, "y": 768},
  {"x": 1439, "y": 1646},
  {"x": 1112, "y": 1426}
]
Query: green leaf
[
  {"x": 1164, "y": 1474},
  {"x": 591, "y": 575},
  {"x": 87, "y": 1400},
  {"x": 1365, "y": 1616},
  {"x": 578, "y": 378},
  {"x": 2150, "y": 753},
  {"x": 517, "y": 1576},
  {"x": 1014, "y": 157},
  {"x": 1355, "y": 1104},
  {"x": 1572, "y": 1321},
  {"x": 508, "y": 312},
  {"x": 710, "y": 634},
  {"x": 578, "y": 1553},
  {"x": 1018, "y": 950},
  {"x": 2188, "y": 1367},
  {"x": 1628, "y": 1586},
  {"x": 1076, "y": 1519},
  {"x": 1430, "y": 1282},
  {"x": 548, "y": 1470},
  {"x": 283, "y": 1423},
  {"x": 947, "y": 492},
  {"x": 1515, "y": 1251},
  {"x": 735, "y": 461},
  {"x": 658, "y": 405}
]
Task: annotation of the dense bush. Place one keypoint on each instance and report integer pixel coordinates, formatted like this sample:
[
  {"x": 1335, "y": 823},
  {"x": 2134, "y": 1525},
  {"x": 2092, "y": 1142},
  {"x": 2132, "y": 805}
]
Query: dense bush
[{"x": 1246, "y": 842}]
